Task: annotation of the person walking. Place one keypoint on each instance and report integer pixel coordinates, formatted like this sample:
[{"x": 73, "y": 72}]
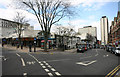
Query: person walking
[{"x": 30, "y": 47}]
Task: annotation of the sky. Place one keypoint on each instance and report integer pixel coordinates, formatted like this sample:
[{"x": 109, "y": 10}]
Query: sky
[{"x": 88, "y": 13}]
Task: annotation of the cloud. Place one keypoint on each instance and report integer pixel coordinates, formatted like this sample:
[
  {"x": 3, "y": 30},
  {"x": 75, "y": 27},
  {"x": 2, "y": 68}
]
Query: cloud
[
  {"x": 97, "y": 25},
  {"x": 89, "y": 2}
]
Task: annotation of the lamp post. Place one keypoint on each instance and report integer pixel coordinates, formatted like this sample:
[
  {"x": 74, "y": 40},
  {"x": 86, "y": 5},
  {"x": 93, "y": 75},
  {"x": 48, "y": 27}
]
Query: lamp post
[{"x": 35, "y": 44}]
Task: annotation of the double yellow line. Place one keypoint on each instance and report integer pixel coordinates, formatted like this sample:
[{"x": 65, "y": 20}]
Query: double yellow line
[{"x": 113, "y": 71}]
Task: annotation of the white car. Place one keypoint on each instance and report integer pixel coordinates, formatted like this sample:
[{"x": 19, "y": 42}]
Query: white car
[{"x": 117, "y": 51}]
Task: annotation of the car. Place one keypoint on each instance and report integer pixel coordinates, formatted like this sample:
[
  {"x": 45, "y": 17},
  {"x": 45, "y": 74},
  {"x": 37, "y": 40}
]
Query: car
[
  {"x": 113, "y": 50},
  {"x": 80, "y": 49},
  {"x": 107, "y": 48},
  {"x": 110, "y": 48},
  {"x": 117, "y": 51}
]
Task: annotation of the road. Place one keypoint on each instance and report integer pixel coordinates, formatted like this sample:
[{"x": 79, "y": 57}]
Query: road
[{"x": 94, "y": 62}]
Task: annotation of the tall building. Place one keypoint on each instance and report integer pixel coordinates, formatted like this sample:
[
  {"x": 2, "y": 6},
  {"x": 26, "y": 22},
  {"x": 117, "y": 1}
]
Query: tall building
[
  {"x": 104, "y": 30},
  {"x": 115, "y": 31}
]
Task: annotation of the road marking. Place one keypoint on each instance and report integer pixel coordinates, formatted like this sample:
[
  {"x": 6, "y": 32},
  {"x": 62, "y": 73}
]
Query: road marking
[
  {"x": 44, "y": 61},
  {"x": 113, "y": 70},
  {"x": 18, "y": 55},
  {"x": 43, "y": 67},
  {"x": 58, "y": 74},
  {"x": 53, "y": 69},
  {"x": 97, "y": 53},
  {"x": 50, "y": 74},
  {"x": 49, "y": 66},
  {"x": 86, "y": 63},
  {"x": 46, "y": 64},
  {"x": 105, "y": 55},
  {"x": 23, "y": 63},
  {"x": 46, "y": 70},
  {"x": 41, "y": 64},
  {"x": 24, "y": 74},
  {"x": 34, "y": 58}
]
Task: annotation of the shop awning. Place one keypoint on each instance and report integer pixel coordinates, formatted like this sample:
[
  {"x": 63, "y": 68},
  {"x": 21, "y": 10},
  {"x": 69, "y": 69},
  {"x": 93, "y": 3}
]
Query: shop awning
[{"x": 44, "y": 40}]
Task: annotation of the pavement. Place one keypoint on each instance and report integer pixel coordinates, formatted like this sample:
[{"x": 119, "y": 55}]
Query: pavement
[{"x": 38, "y": 49}]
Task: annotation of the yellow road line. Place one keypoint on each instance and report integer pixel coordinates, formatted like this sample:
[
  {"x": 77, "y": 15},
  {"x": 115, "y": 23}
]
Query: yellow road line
[
  {"x": 112, "y": 70},
  {"x": 115, "y": 71}
]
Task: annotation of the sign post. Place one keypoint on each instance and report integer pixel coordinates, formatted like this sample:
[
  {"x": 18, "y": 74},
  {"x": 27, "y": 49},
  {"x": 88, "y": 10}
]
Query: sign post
[{"x": 35, "y": 44}]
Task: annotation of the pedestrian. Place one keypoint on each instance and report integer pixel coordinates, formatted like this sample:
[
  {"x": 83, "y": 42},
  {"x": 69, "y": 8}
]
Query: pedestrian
[
  {"x": 2, "y": 44},
  {"x": 22, "y": 45},
  {"x": 30, "y": 47}
]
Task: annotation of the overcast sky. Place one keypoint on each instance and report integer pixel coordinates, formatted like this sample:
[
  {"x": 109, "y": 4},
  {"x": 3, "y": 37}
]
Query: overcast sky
[{"x": 88, "y": 12}]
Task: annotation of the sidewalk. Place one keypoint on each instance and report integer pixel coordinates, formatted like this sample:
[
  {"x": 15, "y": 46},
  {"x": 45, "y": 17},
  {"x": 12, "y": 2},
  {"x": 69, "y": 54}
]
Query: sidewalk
[{"x": 38, "y": 49}]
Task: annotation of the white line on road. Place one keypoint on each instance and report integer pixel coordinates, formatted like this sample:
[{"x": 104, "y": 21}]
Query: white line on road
[
  {"x": 41, "y": 64},
  {"x": 46, "y": 64},
  {"x": 44, "y": 61},
  {"x": 58, "y": 74},
  {"x": 49, "y": 66},
  {"x": 24, "y": 74},
  {"x": 34, "y": 58},
  {"x": 86, "y": 64},
  {"x": 46, "y": 70},
  {"x": 23, "y": 63},
  {"x": 53, "y": 69},
  {"x": 43, "y": 67},
  {"x": 18, "y": 55},
  {"x": 50, "y": 74}
]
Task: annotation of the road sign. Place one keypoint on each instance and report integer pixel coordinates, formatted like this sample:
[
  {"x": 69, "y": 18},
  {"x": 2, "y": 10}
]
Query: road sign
[
  {"x": 34, "y": 38},
  {"x": 16, "y": 38}
]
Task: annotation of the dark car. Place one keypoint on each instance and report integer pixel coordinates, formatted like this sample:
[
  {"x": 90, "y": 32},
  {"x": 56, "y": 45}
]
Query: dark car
[
  {"x": 110, "y": 48},
  {"x": 107, "y": 48},
  {"x": 113, "y": 50}
]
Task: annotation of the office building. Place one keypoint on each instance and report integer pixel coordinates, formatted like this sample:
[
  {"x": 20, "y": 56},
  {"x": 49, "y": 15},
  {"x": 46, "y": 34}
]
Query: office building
[
  {"x": 87, "y": 31},
  {"x": 104, "y": 30}
]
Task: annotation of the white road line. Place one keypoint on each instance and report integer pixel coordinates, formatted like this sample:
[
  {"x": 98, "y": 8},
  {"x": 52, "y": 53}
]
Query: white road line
[
  {"x": 18, "y": 55},
  {"x": 23, "y": 63},
  {"x": 53, "y": 69},
  {"x": 34, "y": 58},
  {"x": 46, "y": 70},
  {"x": 43, "y": 67},
  {"x": 44, "y": 61},
  {"x": 49, "y": 66},
  {"x": 50, "y": 74},
  {"x": 46, "y": 64},
  {"x": 24, "y": 74},
  {"x": 41, "y": 64},
  {"x": 58, "y": 74}
]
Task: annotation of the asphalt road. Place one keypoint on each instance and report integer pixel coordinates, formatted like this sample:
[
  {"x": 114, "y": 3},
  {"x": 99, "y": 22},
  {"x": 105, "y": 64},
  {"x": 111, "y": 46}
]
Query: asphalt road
[{"x": 94, "y": 62}]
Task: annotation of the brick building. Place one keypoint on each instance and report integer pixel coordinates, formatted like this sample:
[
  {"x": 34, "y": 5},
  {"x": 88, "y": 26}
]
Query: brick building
[{"x": 114, "y": 36}]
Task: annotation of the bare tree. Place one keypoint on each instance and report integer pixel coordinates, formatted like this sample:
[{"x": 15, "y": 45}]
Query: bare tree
[
  {"x": 20, "y": 19},
  {"x": 48, "y": 12},
  {"x": 65, "y": 31}
]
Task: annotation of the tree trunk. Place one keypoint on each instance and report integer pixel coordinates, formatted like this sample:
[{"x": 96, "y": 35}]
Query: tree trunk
[{"x": 45, "y": 41}]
